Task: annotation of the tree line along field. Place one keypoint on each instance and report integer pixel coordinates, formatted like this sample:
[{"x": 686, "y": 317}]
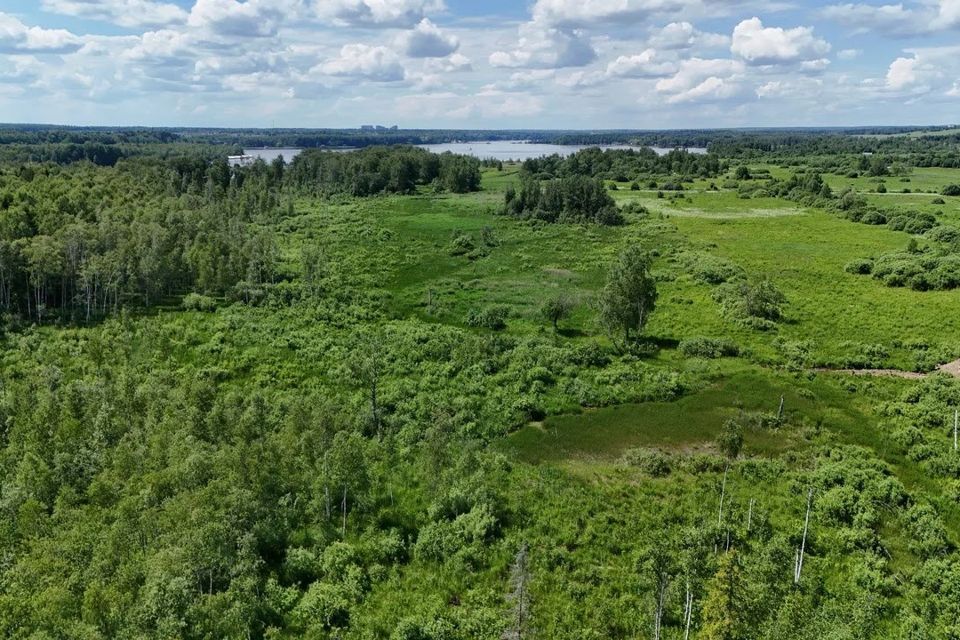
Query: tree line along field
[{"x": 395, "y": 395}]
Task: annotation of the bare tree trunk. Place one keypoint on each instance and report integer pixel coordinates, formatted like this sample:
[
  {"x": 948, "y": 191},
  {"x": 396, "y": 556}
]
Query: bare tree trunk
[
  {"x": 687, "y": 611},
  {"x": 750, "y": 514},
  {"x": 661, "y": 605},
  {"x": 780, "y": 410},
  {"x": 723, "y": 494},
  {"x": 803, "y": 542},
  {"x": 343, "y": 529}
]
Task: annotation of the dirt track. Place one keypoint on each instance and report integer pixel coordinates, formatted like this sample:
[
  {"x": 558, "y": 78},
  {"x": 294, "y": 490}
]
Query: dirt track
[{"x": 951, "y": 368}]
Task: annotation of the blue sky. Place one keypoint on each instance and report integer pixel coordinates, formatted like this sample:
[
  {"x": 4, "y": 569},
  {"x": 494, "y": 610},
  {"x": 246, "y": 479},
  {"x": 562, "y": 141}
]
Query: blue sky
[{"x": 583, "y": 64}]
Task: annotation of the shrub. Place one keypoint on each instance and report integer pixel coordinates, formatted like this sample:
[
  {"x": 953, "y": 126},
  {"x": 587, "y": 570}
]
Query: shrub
[
  {"x": 873, "y": 217},
  {"x": 939, "y": 201},
  {"x": 492, "y": 317},
  {"x": 945, "y": 234},
  {"x": 460, "y": 244},
  {"x": 710, "y": 269},
  {"x": 197, "y": 302},
  {"x": 708, "y": 348},
  {"x": 464, "y": 534},
  {"x": 861, "y": 266},
  {"x": 634, "y": 208},
  {"x": 951, "y": 190},
  {"x": 650, "y": 461},
  {"x": 756, "y": 305},
  {"x": 634, "y": 186},
  {"x": 609, "y": 216}
]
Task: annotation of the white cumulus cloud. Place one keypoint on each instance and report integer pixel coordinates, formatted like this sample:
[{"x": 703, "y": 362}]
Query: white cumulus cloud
[
  {"x": 376, "y": 13},
  {"x": 643, "y": 65},
  {"x": 125, "y": 13},
  {"x": 546, "y": 48},
  {"x": 576, "y": 13},
  {"x": 378, "y": 64},
  {"x": 426, "y": 40},
  {"x": 761, "y": 45},
  {"x": 701, "y": 79},
  {"x": 16, "y": 37},
  {"x": 683, "y": 35}
]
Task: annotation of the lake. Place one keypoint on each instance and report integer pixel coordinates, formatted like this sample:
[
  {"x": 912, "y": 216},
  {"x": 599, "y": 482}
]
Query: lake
[{"x": 498, "y": 150}]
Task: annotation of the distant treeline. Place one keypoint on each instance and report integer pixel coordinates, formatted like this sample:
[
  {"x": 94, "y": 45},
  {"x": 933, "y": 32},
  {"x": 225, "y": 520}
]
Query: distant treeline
[
  {"x": 927, "y": 147},
  {"x": 624, "y": 165}
]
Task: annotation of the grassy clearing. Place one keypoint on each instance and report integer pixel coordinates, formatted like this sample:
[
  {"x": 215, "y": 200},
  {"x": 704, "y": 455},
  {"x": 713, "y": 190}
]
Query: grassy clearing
[
  {"x": 805, "y": 256},
  {"x": 692, "y": 423},
  {"x": 926, "y": 180}
]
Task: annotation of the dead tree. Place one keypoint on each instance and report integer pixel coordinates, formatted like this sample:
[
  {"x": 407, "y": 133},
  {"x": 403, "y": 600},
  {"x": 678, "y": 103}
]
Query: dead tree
[
  {"x": 798, "y": 562},
  {"x": 519, "y": 597},
  {"x": 723, "y": 494}
]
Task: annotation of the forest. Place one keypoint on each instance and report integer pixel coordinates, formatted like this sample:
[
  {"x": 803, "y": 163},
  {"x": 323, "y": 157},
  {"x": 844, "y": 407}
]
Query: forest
[{"x": 386, "y": 393}]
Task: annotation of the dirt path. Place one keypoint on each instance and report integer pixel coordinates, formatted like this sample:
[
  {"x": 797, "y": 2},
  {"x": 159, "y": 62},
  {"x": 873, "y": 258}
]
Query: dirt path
[{"x": 951, "y": 368}]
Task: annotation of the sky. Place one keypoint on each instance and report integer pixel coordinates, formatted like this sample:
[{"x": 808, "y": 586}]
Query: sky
[{"x": 497, "y": 64}]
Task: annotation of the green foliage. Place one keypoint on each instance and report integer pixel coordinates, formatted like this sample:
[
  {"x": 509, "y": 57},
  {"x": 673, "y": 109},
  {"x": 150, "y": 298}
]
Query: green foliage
[
  {"x": 630, "y": 294},
  {"x": 712, "y": 348},
  {"x": 650, "y": 461},
  {"x": 710, "y": 269},
  {"x": 861, "y": 266},
  {"x": 574, "y": 199},
  {"x": 326, "y": 456},
  {"x": 197, "y": 302},
  {"x": 379, "y": 170},
  {"x": 730, "y": 440},
  {"x": 556, "y": 308},
  {"x": 490, "y": 317},
  {"x": 755, "y": 304}
]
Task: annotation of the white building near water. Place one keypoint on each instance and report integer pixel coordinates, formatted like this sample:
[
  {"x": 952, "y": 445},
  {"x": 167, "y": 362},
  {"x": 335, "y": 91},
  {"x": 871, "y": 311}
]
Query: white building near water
[{"x": 240, "y": 161}]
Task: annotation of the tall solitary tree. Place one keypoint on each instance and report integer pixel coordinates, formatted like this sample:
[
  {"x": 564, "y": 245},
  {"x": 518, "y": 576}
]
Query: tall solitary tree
[{"x": 630, "y": 295}]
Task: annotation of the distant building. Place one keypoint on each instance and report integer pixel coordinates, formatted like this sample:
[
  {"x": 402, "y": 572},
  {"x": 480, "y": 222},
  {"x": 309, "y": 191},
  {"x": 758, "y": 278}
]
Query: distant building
[{"x": 240, "y": 161}]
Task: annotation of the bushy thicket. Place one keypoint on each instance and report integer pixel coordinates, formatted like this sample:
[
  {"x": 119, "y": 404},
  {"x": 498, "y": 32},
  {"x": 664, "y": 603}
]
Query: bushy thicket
[
  {"x": 574, "y": 199},
  {"x": 380, "y": 170}
]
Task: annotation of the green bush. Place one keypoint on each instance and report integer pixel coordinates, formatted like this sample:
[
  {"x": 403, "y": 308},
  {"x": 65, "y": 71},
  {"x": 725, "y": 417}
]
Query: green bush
[
  {"x": 708, "y": 348},
  {"x": 649, "y": 461},
  {"x": 492, "y": 317},
  {"x": 460, "y": 244},
  {"x": 197, "y": 302},
  {"x": 860, "y": 266},
  {"x": 710, "y": 269},
  {"x": 754, "y": 304}
]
